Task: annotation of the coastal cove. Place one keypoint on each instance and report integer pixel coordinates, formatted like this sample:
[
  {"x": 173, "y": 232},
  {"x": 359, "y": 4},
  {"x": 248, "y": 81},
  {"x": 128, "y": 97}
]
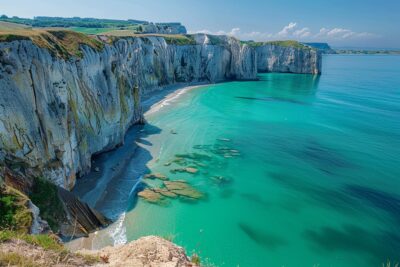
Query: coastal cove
[{"x": 294, "y": 170}]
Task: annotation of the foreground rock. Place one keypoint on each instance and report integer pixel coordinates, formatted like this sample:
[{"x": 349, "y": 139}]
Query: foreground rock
[{"x": 150, "y": 251}]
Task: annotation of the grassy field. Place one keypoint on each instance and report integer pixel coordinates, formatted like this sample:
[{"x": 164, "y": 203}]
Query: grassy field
[{"x": 93, "y": 31}]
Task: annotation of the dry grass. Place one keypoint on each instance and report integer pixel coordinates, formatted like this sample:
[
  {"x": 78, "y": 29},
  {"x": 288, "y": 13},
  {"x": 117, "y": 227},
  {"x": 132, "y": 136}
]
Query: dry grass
[
  {"x": 16, "y": 259},
  {"x": 90, "y": 259},
  {"x": 60, "y": 42},
  {"x": 44, "y": 241},
  {"x": 32, "y": 251}
]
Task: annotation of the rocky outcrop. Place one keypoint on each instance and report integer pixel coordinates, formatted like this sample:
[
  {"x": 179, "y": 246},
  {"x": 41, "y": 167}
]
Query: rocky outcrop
[
  {"x": 291, "y": 59},
  {"x": 56, "y": 113},
  {"x": 39, "y": 225},
  {"x": 150, "y": 251},
  {"x": 146, "y": 251}
]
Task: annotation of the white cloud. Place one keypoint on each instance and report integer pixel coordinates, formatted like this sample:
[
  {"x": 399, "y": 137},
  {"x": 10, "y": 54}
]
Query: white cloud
[
  {"x": 340, "y": 33},
  {"x": 288, "y": 30},
  {"x": 234, "y": 31},
  {"x": 305, "y": 32},
  {"x": 292, "y": 31}
]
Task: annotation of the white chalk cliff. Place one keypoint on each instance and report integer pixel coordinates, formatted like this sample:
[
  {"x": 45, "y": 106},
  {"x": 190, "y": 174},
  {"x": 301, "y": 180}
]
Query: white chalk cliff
[
  {"x": 56, "y": 113},
  {"x": 288, "y": 59}
]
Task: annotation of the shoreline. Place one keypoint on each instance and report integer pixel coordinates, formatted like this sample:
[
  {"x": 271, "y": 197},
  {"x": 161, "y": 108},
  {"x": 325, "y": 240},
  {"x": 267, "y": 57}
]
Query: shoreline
[
  {"x": 108, "y": 190},
  {"x": 159, "y": 98}
]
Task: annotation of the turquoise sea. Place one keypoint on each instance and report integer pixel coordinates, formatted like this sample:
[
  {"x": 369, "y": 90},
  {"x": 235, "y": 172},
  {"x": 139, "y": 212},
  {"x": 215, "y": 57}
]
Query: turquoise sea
[{"x": 296, "y": 170}]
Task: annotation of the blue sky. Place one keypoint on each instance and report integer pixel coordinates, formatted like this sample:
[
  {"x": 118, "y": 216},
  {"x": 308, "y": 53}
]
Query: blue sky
[{"x": 346, "y": 23}]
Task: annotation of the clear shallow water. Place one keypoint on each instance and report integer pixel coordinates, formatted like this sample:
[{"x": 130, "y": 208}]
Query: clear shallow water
[{"x": 317, "y": 180}]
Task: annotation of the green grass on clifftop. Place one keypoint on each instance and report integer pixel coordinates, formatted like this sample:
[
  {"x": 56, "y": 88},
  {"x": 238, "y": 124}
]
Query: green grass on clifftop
[
  {"x": 60, "y": 42},
  {"x": 179, "y": 39},
  {"x": 45, "y": 241},
  {"x": 287, "y": 43}
]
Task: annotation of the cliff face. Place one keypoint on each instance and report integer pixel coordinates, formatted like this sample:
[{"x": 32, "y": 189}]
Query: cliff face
[
  {"x": 275, "y": 58},
  {"x": 55, "y": 113}
]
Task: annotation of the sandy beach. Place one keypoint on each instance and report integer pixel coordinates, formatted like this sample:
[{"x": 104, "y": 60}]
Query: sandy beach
[
  {"x": 119, "y": 173},
  {"x": 156, "y": 100}
]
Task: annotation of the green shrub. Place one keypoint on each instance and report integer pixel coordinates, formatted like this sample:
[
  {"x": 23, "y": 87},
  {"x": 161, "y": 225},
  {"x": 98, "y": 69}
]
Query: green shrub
[
  {"x": 7, "y": 210},
  {"x": 14, "y": 210},
  {"x": 45, "y": 195}
]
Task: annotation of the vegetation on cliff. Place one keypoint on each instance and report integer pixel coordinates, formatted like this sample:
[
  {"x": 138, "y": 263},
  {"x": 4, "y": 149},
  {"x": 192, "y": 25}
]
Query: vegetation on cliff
[
  {"x": 14, "y": 210},
  {"x": 180, "y": 39},
  {"x": 45, "y": 196},
  {"x": 18, "y": 249},
  {"x": 59, "y": 42},
  {"x": 286, "y": 43},
  {"x": 45, "y": 241}
]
